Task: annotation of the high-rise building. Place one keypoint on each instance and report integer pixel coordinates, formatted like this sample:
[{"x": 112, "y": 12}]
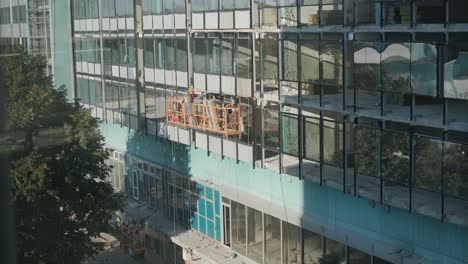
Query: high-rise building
[{"x": 283, "y": 130}]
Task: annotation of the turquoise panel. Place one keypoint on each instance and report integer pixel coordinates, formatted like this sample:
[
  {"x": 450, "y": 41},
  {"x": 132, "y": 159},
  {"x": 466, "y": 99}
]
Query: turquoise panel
[
  {"x": 208, "y": 193},
  {"x": 201, "y": 207},
  {"x": 217, "y": 205},
  {"x": 211, "y": 230},
  {"x": 202, "y": 222},
  {"x": 218, "y": 229},
  {"x": 209, "y": 210}
]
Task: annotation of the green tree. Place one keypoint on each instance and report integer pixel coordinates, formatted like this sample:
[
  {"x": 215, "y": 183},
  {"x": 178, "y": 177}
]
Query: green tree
[{"x": 61, "y": 196}]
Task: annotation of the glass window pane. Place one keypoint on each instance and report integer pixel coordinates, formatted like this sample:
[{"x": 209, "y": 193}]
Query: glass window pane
[
  {"x": 331, "y": 55},
  {"x": 149, "y": 53},
  {"x": 312, "y": 247},
  {"x": 427, "y": 183},
  {"x": 272, "y": 240},
  {"x": 270, "y": 129},
  {"x": 397, "y": 12},
  {"x": 332, "y": 14},
  {"x": 270, "y": 65},
  {"x": 455, "y": 70},
  {"x": 457, "y": 116},
  {"x": 290, "y": 64},
  {"x": 424, "y": 68},
  {"x": 288, "y": 15},
  {"x": 310, "y": 61},
  {"x": 290, "y": 134},
  {"x": 238, "y": 228},
  {"x": 214, "y": 51},
  {"x": 430, "y": 11},
  {"x": 269, "y": 16},
  {"x": 227, "y": 62},
  {"x": 333, "y": 154},
  {"x": 181, "y": 55},
  {"x": 199, "y": 60},
  {"x": 396, "y": 67},
  {"x": 358, "y": 257},
  {"x": 255, "y": 235},
  {"x": 367, "y": 148},
  {"x": 367, "y": 12},
  {"x": 291, "y": 243},
  {"x": 244, "y": 58},
  {"x": 310, "y": 15},
  {"x": 457, "y": 12},
  {"x": 336, "y": 250}
]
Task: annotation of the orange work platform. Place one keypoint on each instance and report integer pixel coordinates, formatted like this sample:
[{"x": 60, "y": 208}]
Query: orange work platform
[{"x": 208, "y": 115}]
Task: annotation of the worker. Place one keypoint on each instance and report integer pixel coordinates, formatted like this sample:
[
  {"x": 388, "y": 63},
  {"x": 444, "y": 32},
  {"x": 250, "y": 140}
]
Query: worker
[{"x": 191, "y": 93}]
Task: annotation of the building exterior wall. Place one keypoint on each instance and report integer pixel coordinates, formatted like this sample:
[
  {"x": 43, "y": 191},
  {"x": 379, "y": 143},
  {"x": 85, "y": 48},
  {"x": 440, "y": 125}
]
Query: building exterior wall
[{"x": 352, "y": 112}]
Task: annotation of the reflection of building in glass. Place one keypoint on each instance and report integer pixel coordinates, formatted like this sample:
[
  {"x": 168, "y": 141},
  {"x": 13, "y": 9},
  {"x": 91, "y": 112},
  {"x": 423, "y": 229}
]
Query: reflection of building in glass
[{"x": 353, "y": 123}]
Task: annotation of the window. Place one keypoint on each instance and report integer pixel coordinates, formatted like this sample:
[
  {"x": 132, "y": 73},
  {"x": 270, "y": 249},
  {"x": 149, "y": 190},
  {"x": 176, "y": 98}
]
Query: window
[
  {"x": 149, "y": 53},
  {"x": 427, "y": 183},
  {"x": 270, "y": 66},
  {"x": 244, "y": 57},
  {"x": 331, "y": 55},
  {"x": 396, "y": 80},
  {"x": 311, "y": 162},
  {"x": 272, "y": 239},
  {"x": 395, "y": 168},
  {"x": 135, "y": 185},
  {"x": 108, "y": 8},
  {"x": 358, "y": 257},
  {"x": 310, "y": 12},
  {"x": 255, "y": 235},
  {"x": 332, "y": 12},
  {"x": 290, "y": 64},
  {"x": 19, "y": 14},
  {"x": 336, "y": 248},
  {"x": 397, "y": 12},
  {"x": 430, "y": 11},
  {"x": 169, "y": 55},
  {"x": 227, "y": 53},
  {"x": 238, "y": 228},
  {"x": 333, "y": 154},
  {"x": 455, "y": 71},
  {"x": 424, "y": 68},
  {"x": 290, "y": 134},
  {"x": 291, "y": 243},
  {"x": 269, "y": 13},
  {"x": 456, "y": 182},
  {"x": 5, "y": 15},
  {"x": 287, "y": 13},
  {"x": 367, "y": 153},
  {"x": 181, "y": 55},
  {"x": 312, "y": 247},
  {"x": 366, "y": 76},
  {"x": 457, "y": 12},
  {"x": 367, "y": 12},
  {"x": 213, "y": 58},
  {"x": 271, "y": 129},
  {"x": 199, "y": 52}
]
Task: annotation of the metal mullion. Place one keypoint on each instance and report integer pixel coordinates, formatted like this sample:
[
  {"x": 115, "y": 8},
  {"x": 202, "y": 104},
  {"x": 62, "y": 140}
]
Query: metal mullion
[
  {"x": 380, "y": 160},
  {"x": 442, "y": 182},
  {"x": 321, "y": 147},
  {"x": 412, "y": 152},
  {"x": 345, "y": 151}
]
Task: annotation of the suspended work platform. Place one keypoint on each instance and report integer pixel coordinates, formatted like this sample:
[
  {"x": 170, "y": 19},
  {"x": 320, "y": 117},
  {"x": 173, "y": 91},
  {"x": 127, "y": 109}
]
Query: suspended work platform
[{"x": 209, "y": 115}]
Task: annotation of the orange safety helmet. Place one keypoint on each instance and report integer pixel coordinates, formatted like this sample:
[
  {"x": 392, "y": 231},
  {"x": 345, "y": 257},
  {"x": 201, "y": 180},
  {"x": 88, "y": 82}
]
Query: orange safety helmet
[{"x": 190, "y": 89}]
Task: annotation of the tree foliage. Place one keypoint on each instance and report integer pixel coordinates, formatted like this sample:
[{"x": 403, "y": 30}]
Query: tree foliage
[{"x": 61, "y": 196}]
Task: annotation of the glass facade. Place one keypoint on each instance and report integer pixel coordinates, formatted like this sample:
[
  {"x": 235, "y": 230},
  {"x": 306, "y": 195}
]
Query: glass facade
[{"x": 365, "y": 97}]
